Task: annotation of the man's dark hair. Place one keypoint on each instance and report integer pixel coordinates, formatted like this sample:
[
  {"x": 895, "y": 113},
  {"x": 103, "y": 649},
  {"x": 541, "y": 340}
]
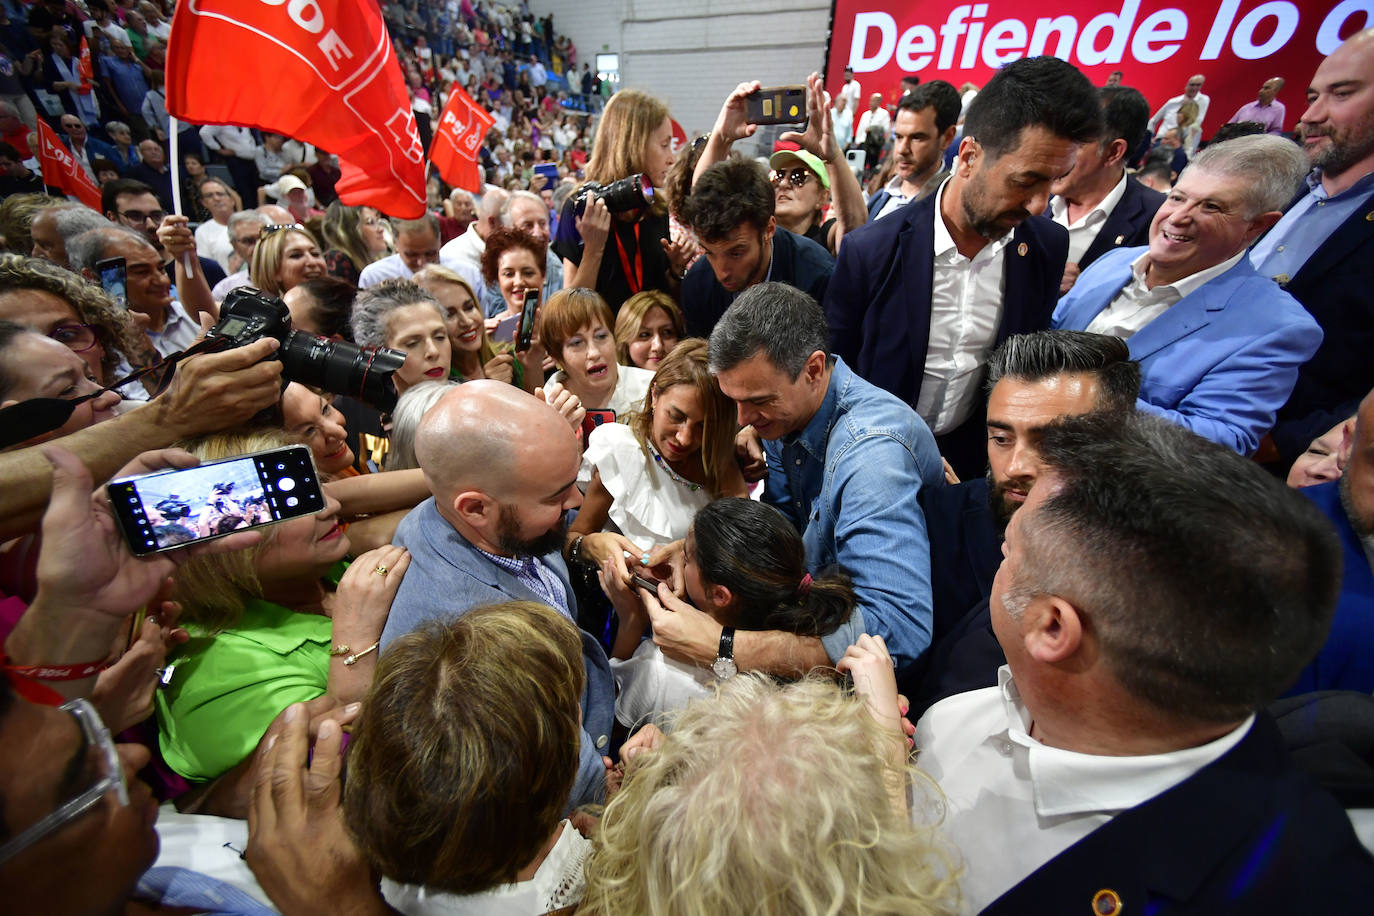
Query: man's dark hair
[
  {"x": 937, "y": 94},
  {"x": 120, "y": 186},
  {"x": 727, "y": 195},
  {"x": 1207, "y": 582},
  {"x": 781, "y": 321},
  {"x": 1237, "y": 129},
  {"x": 1033, "y": 92},
  {"x": 1125, "y": 113},
  {"x": 1158, "y": 163},
  {"x": 1044, "y": 354}
]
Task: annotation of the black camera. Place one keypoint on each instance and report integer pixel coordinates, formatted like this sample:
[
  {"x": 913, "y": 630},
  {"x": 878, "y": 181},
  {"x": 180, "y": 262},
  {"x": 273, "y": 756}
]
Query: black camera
[
  {"x": 336, "y": 366},
  {"x": 633, "y": 193}
]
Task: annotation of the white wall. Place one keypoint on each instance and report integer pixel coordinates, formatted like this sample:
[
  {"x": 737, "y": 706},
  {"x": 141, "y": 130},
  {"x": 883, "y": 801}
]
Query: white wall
[{"x": 691, "y": 53}]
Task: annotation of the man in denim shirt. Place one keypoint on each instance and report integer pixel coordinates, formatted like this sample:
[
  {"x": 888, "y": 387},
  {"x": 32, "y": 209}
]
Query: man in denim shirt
[{"x": 845, "y": 463}]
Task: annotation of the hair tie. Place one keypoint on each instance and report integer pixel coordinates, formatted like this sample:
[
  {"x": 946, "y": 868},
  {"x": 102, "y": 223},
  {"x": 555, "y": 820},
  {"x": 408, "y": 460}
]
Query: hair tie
[{"x": 804, "y": 588}]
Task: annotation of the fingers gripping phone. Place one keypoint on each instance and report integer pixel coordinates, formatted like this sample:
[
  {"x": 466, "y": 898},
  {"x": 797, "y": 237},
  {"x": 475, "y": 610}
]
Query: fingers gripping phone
[
  {"x": 169, "y": 509},
  {"x": 525, "y": 335},
  {"x": 114, "y": 279},
  {"x": 776, "y": 105},
  {"x": 595, "y": 418}
]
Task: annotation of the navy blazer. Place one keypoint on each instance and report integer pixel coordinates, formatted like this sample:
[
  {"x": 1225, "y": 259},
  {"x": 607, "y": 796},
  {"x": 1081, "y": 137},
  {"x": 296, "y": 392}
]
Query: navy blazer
[
  {"x": 797, "y": 261},
  {"x": 878, "y": 304},
  {"x": 1128, "y": 225},
  {"x": 1246, "y": 834},
  {"x": 965, "y": 550},
  {"x": 1335, "y": 287},
  {"x": 1221, "y": 361},
  {"x": 1346, "y": 660}
]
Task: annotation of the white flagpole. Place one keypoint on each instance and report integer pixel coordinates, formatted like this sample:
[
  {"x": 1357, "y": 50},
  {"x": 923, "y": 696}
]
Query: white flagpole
[{"x": 176, "y": 176}]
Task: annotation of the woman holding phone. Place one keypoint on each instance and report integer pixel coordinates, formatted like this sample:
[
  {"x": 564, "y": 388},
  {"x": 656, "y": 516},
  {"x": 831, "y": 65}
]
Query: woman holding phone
[
  {"x": 512, "y": 261},
  {"x": 475, "y": 355}
]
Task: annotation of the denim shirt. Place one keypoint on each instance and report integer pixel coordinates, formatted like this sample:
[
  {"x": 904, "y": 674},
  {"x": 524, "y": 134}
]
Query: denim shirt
[{"x": 849, "y": 482}]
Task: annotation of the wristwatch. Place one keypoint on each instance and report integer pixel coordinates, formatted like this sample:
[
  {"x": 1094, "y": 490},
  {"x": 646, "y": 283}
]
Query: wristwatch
[{"x": 724, "y": 666}]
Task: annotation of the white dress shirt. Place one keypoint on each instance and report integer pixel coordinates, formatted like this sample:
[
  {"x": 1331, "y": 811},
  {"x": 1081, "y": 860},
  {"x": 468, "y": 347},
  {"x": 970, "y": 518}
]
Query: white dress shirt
[
  {"x": 466, "y": 249},
  {"x": 874, "y": 118},
  {"x": 1012, "y": 804},
  {"x": 212, "y": 241},
  {"x": 1137, "y": 305},
  {"x": 232, "y": 141},
  {"x": 965, "y": 312},
  {"x": 1084, "y": 231},
  {"x": 178, "y": 332},
  {"x": 392, "y": 267},
  {"x": 1167, "y": 116},
  {"x": 852, "y": 92}
]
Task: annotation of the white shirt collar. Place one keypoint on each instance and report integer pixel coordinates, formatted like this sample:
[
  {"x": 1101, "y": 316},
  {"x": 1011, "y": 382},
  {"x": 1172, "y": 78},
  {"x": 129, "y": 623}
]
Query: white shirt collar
[
  {"x": 944, "y": 242},
  {"x": 1188, "y": 284},
  {"x": 1069, "y": 783},
  {"x": 1059, "y": 207}
]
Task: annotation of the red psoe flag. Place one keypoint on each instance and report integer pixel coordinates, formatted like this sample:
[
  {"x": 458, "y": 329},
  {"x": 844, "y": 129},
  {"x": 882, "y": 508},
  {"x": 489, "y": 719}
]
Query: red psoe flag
[
  {"x": 85, "y": 68},
  {"x": 61, "y": 170},
  {"x": 321, "y": 71},
  {"x": 457, "y": 140}
]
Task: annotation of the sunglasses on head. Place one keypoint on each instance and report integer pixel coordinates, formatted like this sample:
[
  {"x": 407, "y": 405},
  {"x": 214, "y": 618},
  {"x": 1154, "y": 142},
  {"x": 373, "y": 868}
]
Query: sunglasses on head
[
  {"x": 279, "y": 227},
  {"x": 797, "y": 177}
]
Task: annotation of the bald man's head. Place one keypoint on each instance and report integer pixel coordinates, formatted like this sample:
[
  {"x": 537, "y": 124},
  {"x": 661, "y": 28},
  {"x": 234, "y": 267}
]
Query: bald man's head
[{"x": 476, "y": 437}]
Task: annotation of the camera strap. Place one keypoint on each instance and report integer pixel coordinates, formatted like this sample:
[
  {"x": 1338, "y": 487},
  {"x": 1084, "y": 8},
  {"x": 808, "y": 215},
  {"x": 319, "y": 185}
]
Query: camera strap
[
  {"x": 36, "y": 416},
  {"x": 634, "y": 278}
]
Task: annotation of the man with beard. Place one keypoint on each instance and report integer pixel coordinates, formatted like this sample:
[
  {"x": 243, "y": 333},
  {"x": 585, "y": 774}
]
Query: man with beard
[
  {"x": 918, "y": 301},
  {"x": 1322, "y": 251},
  {"x": 1032, "y": 379},
  {"x": 503, "y": 469},
  {"x": 927, "y": 118},
  {"x": 1346, "y": 661}
]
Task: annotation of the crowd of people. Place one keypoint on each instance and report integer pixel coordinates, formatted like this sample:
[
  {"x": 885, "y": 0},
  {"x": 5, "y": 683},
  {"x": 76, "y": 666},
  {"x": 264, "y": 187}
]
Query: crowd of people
[{"x": 979, "y": 523}]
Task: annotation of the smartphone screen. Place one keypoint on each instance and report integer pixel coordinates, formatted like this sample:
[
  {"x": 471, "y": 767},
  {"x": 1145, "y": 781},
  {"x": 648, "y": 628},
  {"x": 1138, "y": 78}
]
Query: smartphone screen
[
  {"x": 168, "y": 509},
  {"x": 114, "y": 279},
  {"x": 550, "y": 172},
  {"x": 525, "y": 336}
]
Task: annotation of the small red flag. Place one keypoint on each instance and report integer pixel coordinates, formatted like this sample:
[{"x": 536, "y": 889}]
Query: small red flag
[
  {"x": 85, "y": 68},
  {"x": 61, "y": 170},
  {"x": 321, "y": 71},
  {"x": 457, "y": 140}
]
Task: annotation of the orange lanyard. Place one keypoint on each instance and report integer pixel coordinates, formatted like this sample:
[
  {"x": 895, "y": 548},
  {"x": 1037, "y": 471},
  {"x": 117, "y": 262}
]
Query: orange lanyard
[{"x": 635, "y": 278}]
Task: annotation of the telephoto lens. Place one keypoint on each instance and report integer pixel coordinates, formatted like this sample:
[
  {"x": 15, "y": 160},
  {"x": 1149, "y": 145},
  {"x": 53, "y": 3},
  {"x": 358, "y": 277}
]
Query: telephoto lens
[{"x": 633, "y": 193}]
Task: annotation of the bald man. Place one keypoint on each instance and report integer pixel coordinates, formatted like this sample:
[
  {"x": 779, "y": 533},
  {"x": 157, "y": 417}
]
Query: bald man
[{"x": 502, "y": 466}]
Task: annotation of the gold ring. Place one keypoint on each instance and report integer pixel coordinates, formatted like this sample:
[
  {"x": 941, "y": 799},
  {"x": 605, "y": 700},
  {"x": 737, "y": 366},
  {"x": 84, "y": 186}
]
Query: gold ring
[{"x": 381, "y": 570}]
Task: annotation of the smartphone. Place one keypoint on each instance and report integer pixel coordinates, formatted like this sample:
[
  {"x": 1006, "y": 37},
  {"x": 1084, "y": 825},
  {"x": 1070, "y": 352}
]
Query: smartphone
[
  {"x": 855, "y": 158},
  {"x": 525, "y": 336},
  {"x": 645, "y": 582},
  {"x": 504, "y": 331},
  {"x": 595, "y": 418},
  {"x": 169, "y": 509},
  {"x": 550, "y": 172},
  {"x": 114, "y": 279},
  {"x": 776, "y": 105}
]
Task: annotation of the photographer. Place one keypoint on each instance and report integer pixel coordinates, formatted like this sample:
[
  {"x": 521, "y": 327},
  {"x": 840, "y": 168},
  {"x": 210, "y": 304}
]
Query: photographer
[{"x": 621, "y": 254}]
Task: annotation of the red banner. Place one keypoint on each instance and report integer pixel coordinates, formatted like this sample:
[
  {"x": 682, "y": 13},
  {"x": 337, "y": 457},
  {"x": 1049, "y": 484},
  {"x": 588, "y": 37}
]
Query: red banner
[
  {"x": 458, "y": 140},
  {"x": 321, "y": 71},
  {"x": 85, "y": 67},
  {"x": 61, "y": 170},
  {"x": 1236, "y": 44}
]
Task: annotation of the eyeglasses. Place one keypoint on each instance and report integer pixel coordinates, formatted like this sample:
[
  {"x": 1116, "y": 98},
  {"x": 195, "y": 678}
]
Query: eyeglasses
[
  {"x": 279, "y": 227},
  {"x": 109, "y": 778},
  {"x": 78, "y": 337},
  {"x": 138, "y": 216},
  {"x": 797, "y": 177}
]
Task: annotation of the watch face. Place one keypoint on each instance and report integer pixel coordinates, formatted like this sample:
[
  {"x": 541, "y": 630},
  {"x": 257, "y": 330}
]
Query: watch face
[{"x": 724, "y": 668}]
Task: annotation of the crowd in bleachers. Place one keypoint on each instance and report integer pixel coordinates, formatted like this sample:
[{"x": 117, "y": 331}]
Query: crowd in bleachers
[{"x": 965, "y": 506}]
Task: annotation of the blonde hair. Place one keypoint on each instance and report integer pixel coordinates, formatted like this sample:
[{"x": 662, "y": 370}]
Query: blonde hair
[
  {"x": 776, "y": 795},
  {"x": 341, "y": 233},
  {"x": 687, "y": 365},
  {"x": 1187, "y": 114},
  {"x": 622, "y": 138},
  {"x": 431, "y": 275},
  {"x": 631, "y": 316},
  {"x": 266, "y": 261},
  {"x": 213, "y": 588}
]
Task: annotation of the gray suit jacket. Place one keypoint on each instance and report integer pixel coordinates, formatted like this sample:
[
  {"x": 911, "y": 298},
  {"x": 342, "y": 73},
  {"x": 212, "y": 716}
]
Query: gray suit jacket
[{"x": 448, "y": 577}]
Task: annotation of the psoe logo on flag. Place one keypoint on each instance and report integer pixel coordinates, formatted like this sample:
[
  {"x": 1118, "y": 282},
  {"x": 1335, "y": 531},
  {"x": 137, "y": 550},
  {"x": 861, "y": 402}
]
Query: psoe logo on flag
[{"x": 303, "y": 28}]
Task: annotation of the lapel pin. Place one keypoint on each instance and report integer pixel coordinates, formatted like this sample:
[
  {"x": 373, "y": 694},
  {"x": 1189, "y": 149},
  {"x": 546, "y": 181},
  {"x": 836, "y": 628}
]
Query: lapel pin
[
  {"x": 1022, "y": 249},
  {"x": 1120, "y": 239},
  {"x": 1107, "y": 902}
]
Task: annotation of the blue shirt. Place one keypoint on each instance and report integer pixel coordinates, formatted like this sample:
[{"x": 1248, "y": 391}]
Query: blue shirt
[
  {"x": 127, "y": 77},
  {"x": 1307, "y": 224},
  {"x": 537, "y": 577},
  {"x": 849, "y": 482}
]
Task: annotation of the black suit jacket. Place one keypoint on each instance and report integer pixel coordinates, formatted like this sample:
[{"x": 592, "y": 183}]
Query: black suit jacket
[
  {"x": 1336, "y": 286},
  {"x": 1247, "y": 834},
  {"x": 878, "y": 304},
  {"x": 1128, "y": 225}
]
